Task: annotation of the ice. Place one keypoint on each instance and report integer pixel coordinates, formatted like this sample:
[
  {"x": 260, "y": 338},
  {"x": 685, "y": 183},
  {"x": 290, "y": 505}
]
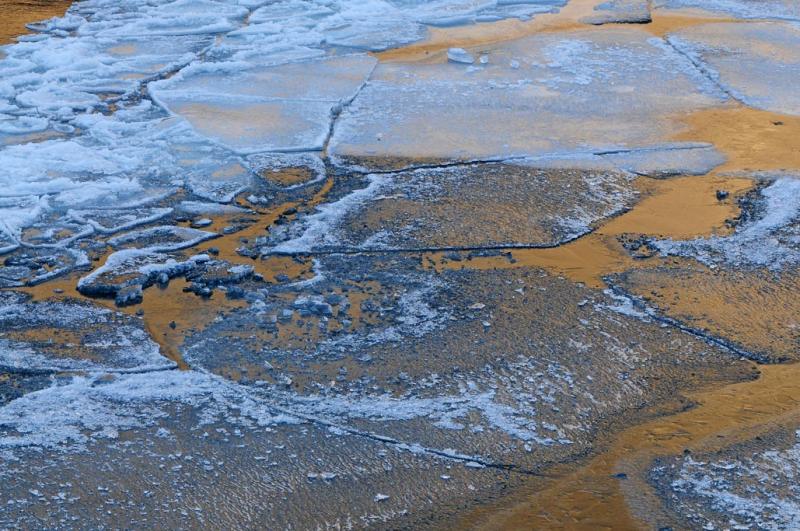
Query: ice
[
  {"x": 280, "y": 108},
  {"x": 460, "y": 55},
  {"x": 72, "y": 335},
  {"x": 756, "y": 63},
  {"x": 620, "y": 11},
  {"x": 31, "y": 265},
  {"x": 243, "y": 76},
  {"x": 757, "y": 488},
  {"x": 748, "y": 9},
  {"x": 771, "y": 238},
  {"x": 113, "y": 220},
  {"x": 72, "y": 414},
  {"x": 161, "y": 238},
  {"x": 675, "y": 159},
  {"x": 196, "y": 208},
  {"x": 490, "y": 205},
  {"x": 305, "y": 168},
  {"x": 592, "y": 92}
]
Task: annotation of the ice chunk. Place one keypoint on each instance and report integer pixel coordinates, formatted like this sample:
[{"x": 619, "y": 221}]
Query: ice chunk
[
  {"x": 113, "y": 220},
  {"x": 161, "y": 238},
  {"x": 132, "y": 268},
  {"x": 460, "y": 55}
]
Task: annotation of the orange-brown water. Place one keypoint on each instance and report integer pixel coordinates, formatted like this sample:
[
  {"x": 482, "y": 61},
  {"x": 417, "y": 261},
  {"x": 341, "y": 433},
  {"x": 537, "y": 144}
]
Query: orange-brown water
[{"x": 17, "y": 13}]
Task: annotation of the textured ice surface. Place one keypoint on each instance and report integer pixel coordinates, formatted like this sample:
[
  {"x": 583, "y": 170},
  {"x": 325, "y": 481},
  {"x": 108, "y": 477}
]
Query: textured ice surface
[
  {"x": 590, "y": 92},
  {"x": 193, "y": 449},
  {"x": 488, "y": 205},
  {"x": 72, "y": 335},
  {"x": 757, "y": 63},
  {"x": 741, "y": 488},
  {"x": 761, "y": 9},
  {"x": 278, "y": 108},
  {"x": 620, "y": 11},
  {"x": 770, "y": 238},
  {"x": 74, "y": 412},
  {"x": 446, "y": 361},
  {"x": 161, "y": 238},
  {"x": 247, "y": 76}
]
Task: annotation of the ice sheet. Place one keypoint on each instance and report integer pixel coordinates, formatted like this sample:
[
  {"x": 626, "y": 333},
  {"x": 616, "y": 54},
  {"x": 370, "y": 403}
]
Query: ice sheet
[
  {"x": 756, "y": 63},
  {"x": 591, "y": 92}
]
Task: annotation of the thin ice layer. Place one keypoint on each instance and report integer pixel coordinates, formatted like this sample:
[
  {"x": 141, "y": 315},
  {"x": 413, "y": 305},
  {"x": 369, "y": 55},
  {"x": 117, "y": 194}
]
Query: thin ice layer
[
  {"x": 450, "y": 360},
  {"x": 747, "y": 9},
  {"x": 72, "y": 335},
  {"x": 591, "y": 92},
  {"x": 756, "y": 63},
  {"x": 280, "y": 108},
  {"x": 488, "y": 205},
  {"x": 183, "y": 450}
]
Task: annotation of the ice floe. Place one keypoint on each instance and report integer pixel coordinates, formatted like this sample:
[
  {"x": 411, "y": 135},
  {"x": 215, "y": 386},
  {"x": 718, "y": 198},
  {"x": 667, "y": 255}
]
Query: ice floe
[
  {"x": 587, "y": 93},
  {"x": 756, "y": 63}
]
